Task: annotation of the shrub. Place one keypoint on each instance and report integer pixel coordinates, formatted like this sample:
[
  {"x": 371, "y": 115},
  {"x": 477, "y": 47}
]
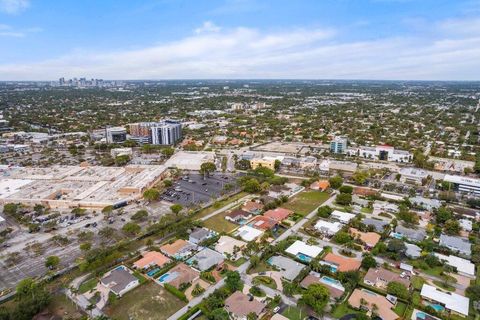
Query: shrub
[{"x": 179, "y": 294}]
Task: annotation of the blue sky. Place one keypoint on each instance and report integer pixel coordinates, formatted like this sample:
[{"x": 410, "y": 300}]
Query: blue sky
[{"x": 174, "y": 39}]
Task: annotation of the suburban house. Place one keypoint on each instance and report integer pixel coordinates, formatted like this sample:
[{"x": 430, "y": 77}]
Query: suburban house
[
  {"x": 414, "y": 235},
  {"x": 458, "y": 244},
  {"x": 328, "y": 228},
  {"x": 205, "y": 259},
  {"x": 425, "y": 203},
  {"x": 278, "y": 214},
  {"x": 384, "y": 206},
  {"x": 303, "y": 251},
  {"x": 230, "y": 247},
  {"x": 178, "y": 275},
  {"x": 289, "y": 268},
  {"x": 253, "y": 207},
  {"x": 321, "y": 185},
  {"x": 263, "y": 223},
  {"x": 334, "y": 286},
  {"x": 449, "y": 301},
  {"x": 339, "y": 263},
  {"x": 238, "y": 216},
  {"x": 200, "y": 234},
  {"x": 151, "y": 259},
  {"x": 248, "y": 233},
  {"x": 239, "y": 305},
  {"x": 119, "y": 281},
  {"x": 370, "y": 239},
  {"x": 413, "y": 251},
  {"x": 380, "y": 278},
  {"x": 343, "y": 217},
  {"x": 179, "y": 249},
  {"x": 463, "y": 266},
  {"x": 379, "y": 225},
  {"x": 360, "y": 201},
  {"x": 373, "y": 302}
]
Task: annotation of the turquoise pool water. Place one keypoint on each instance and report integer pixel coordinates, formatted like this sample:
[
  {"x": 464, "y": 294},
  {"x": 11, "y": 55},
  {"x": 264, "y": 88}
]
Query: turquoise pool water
[
  {"x": 163, "y": 277},
  {"x": 303, "y": 257},
  {"x": 152, "y": 272},
  {"x": 421, "y": 315},
  {"x": 437, "y": 307},
  {"x": 332, "y": 283},
  {"x": 397, "y": 235}
]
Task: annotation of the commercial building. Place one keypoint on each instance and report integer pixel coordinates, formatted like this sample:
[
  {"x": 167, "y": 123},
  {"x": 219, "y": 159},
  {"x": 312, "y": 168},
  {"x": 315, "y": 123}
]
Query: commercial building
[
  {"x": 141, "y": 129},
  {"x": 338, "y": 145},
  {"x": 166, "y": 133},
  {"x": 464, "y": 184},
  {"x": 77, "y": 186},
  {"x": 413, "y": 175},
  {"x": 189, "y": 160},
  {"x": 451, "y": 301},
  {"x": 266, "y": 162},
  {"x": 383, "y": 152},
  {"x": 115, "y": 134}
]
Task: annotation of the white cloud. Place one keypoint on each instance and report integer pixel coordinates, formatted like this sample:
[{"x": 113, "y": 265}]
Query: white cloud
[
  {"x": 14, "y": 6},
  {"x": 207, "y": 26},
  {"x": 9, "y": 31},
  {"x": 250, "y": 53}
]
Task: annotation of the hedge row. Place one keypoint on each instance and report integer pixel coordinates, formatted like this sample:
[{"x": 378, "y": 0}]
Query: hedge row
[{"x": 179, "y": 294}]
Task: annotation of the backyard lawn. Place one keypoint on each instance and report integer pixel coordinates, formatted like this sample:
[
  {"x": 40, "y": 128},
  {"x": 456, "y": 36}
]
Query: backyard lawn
[
  {"x": 342, "y": 310},
  {"x": 306, "y": 202},
  {"x": 294, "y": 313},
  {"x": 266, "y": 281},
  {"x": 219, "y": 224},
  {"x": 400, "y": 308},
  {"x": 87, "y": 285},
  {"x": 147, "y": 302}
]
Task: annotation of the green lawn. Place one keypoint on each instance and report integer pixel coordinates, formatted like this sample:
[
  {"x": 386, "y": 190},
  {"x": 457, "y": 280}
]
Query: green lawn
[
  {"x": 219, "y": 204},
  {"x": 417, "y": 282},
  {"x": 343, "y": 309},
  {"x": 87, "y": 285},
  {"x": 294, "y": 313},
  {"x": 266, "y": 281},
  {"x": 443, "y": 285},
  {"x": 237, "y": 263},
  {"x": 306, "y": 202},
  {"x": 366, "y": 210},
  {"x": 261, "y": 267},
  {"x": 400, "y": 308},
  {"x": 147, "y": 302},
  {"x": 219, "y": 224}
]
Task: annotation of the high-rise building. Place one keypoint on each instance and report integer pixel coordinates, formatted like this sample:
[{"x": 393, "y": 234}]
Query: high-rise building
[
  {"x": 338, "y": 145},
  {"x": 115, "y": 134},
  {"x": 166, "y": 133},
  {"x": 142, "y": 129}
]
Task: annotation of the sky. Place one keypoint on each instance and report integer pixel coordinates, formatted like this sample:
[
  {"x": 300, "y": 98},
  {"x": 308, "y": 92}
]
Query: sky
[{"x": 240, "y": 39}]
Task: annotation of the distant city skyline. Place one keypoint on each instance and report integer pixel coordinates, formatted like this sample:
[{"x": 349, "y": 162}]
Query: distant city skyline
[{"x": 240, "y": 39}]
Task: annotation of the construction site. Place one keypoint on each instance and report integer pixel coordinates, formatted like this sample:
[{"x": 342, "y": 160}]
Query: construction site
[{"x": 77, "y": 186}]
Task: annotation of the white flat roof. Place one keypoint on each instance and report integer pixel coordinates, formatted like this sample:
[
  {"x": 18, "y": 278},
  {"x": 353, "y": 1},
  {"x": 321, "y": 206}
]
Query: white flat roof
[
  {"x": 463, "y": 180},
  {"x": 344, "y": 217},
  {"x": 334, "y": 227},
  {"x": 11, "y": 186},
  {"x": 248, "y": 233},
  {"x": 452, "y": 301},
  {"x": 462, "y": 265},
  {"x": 301, "y": 247},
  {"x": 2, "y": 219}
]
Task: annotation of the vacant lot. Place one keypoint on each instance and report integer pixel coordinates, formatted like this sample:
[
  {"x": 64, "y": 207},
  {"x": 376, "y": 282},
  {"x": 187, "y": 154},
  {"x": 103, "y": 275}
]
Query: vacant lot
[
  {"x": 219, "y": 224},
  {"x": 220, "y": 204},
  {"x": 306, "y": 202},
  {"x": 147, "y": 302}
]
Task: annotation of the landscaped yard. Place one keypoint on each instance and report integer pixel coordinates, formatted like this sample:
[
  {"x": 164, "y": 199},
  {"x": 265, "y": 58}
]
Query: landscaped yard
[
  {"x": 147, "y": 302},
  {"x": 294, "y": 313},
  {"x": 219, "y": 224},
  {"x": 236, "y": 263},
  {"x": 266, "y": 281},
  {"x": 342, "y": 310},
  {"x": 366, "y": 210},
  {"x": 400, "y": 308},
  {"x": 260, "y": 267},
  {"x": 306, "y": 202},
  {"x": 87, "y": 285},
  {"x": 220, "y": 204}
]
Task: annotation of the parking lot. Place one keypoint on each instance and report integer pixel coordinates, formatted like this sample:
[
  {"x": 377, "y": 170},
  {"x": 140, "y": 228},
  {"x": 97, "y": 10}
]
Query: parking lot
[{"x": 192, "y": 189}]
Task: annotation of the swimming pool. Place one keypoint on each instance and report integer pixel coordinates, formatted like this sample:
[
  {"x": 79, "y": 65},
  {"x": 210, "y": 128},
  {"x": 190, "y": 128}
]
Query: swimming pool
[
  {"x": 437, "y": 307},
  {"x": 332, "y": 283},
  {"x": 303, "y": 257},
  {"x": 163, "y": 277},
  {"x": 152, "y": 272},
  {"x": 421, "y": 315},
  {"x": 396, "y": 235}
]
